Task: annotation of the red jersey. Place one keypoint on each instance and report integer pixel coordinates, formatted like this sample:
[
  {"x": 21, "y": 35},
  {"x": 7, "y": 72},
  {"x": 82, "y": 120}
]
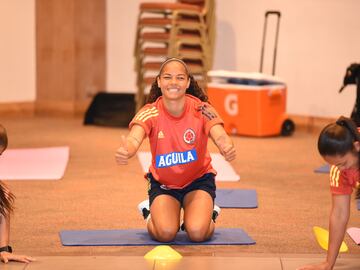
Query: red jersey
[
  {"x": 178, "y": 144},
  {"x": 343, "y": 182}
]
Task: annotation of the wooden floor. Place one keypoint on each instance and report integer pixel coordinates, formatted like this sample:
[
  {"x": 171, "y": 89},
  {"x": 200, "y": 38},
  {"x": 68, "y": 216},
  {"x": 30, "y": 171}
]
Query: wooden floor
[
  {"x": 208, "y": 263},
  {"x": 95, "y": 193}
]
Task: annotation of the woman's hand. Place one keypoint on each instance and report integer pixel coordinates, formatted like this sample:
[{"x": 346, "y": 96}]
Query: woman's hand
[
  {"x": 122, "y": 153},
  {"x": 5, "y": 257},
  {"x": 226, "y": 147},
  {"x": 320, "y": 266}
]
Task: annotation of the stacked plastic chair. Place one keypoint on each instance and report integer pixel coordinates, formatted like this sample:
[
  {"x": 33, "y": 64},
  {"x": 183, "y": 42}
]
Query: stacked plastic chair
[{"x": 183, "y": 29}]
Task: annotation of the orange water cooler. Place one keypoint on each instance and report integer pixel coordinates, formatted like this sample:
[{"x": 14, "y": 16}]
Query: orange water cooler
[{"x": 252, "y": 104}]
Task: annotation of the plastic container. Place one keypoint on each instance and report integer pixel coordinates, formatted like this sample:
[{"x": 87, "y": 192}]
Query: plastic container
[{"x": 250, "y": 104}]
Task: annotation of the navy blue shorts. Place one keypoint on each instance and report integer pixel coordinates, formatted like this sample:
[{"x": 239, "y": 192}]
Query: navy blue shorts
[{"x": 206, "y": 183}]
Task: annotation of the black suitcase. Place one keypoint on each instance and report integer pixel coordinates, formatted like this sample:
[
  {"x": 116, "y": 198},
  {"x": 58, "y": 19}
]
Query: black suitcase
[
  {"x": 111, "y": 109},
  {"x": 352, "y": 76}
]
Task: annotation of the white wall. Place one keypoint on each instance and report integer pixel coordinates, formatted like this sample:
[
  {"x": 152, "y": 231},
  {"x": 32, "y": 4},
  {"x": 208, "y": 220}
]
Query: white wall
[
  {"x": 121, "y": 26},
  {"x": 318, "y": 40},
  {"x": 17, "y": 50}
]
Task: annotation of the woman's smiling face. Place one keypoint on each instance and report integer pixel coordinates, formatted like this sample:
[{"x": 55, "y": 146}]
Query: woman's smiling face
[{"x": 173, "y": 80}]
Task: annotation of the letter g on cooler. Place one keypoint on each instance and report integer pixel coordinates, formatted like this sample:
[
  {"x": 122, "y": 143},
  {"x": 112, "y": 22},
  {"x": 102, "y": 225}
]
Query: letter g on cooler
[{"x": 231, "y": 104}]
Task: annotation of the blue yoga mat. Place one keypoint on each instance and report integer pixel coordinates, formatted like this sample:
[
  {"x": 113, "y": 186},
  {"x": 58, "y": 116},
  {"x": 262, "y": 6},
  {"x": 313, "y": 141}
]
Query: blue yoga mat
[
  {"x": 140, "y": 237},
  {"x": 323, "y": 169},
  {"x": 236, "y": 198}
]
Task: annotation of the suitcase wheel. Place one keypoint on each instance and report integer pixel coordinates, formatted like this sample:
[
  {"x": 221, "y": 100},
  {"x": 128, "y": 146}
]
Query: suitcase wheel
[{"x": 287, "y": 127}]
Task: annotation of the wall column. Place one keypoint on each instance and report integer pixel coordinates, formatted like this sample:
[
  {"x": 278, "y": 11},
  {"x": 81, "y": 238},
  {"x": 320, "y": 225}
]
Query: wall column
[{"x": 70, "y": 54}]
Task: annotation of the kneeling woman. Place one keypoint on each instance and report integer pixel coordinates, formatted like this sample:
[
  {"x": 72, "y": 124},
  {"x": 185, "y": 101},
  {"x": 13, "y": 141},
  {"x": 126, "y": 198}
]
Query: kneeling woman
[{"x": 178, "y": 121}]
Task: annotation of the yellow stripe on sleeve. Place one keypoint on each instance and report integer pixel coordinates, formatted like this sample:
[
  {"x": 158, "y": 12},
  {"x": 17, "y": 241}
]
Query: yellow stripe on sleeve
[
  {"x": 149, "y": 116},
  {"x": 334, "y": 176},
  {"x": 331, "y": 175},
  {"x": 143, "y": 116}
]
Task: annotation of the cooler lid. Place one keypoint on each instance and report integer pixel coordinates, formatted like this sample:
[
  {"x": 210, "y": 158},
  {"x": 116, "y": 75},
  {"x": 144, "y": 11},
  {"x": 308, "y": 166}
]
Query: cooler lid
[{"x": 244, "y": 78}]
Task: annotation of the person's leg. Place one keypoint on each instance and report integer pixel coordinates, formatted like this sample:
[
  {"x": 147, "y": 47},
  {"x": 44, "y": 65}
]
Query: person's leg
[
  {"x": 198, "y": 209},
  {"x": 165, "y": 218}
]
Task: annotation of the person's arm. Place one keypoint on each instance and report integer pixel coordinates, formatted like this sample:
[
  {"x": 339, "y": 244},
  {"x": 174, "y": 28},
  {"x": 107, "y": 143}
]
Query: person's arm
[
  {"x": 130, "y": 144},
  {"x": 339, "y": 218},
  {"x": 4, "y": 231},
  {"x": 223, "y": 141},
  {"x": 4, "y": 241}
]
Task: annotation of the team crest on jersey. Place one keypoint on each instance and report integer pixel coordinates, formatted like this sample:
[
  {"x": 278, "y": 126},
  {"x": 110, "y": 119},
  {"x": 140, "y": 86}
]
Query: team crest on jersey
[{"x": 189, "y": 136}]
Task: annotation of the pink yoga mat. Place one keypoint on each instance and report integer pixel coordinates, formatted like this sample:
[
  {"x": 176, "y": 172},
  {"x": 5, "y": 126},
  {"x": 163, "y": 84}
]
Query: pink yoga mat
[
  {"x": 354, "y": 233},
  {"x": 34, "y": 163}
]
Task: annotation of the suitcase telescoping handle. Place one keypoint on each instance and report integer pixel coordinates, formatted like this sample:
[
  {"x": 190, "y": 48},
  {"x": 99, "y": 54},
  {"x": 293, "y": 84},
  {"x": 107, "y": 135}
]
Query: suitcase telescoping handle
[
  {"x": 274, "y": 12},
  {"x": 267, "y": 14}
]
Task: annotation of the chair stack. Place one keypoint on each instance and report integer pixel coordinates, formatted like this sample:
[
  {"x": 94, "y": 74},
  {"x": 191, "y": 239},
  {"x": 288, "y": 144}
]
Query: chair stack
[{"x": 183, "y": 29}]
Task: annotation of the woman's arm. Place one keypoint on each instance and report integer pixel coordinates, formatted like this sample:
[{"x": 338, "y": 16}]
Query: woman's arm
[
  {"x": 339, "y": 218},
  {"x": 4, "y": 231},
  {"x": 4, "y": 241},
  {"x": 130, "y": 144},
  {"x": 223, "y": 142}
]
